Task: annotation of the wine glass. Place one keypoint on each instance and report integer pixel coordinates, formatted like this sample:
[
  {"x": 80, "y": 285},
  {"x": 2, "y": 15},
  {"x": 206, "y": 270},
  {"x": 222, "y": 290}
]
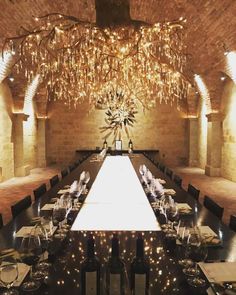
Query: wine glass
[
  {"x": 197, "y": 251},
  {"x": 8, "y": 275},
  {"x": 58, "y": 216},
  {"x": 31, "y": 250},
  {"x": 183, "y": 234},
  {"x": 45, "y": 232},
  {"x": 85, "y": 181}
]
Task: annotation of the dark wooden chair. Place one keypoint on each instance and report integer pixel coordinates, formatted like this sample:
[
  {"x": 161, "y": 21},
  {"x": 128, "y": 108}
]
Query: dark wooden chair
[
  {"x": 72, "y": 167},
  {"x": 54, "y": 180},
  {"x": 193, "y": 191},
  {"x": 38, "y": 192},
  {"x": 232, "y": 222},
  {"x": 77, "y": 162},
  {"x": 21, "y": 205},
  {"x": 1, "y": 221},
  {"x": 177, "y": 180},
  {"x": 212, "y": 206},
  {"x": 64, "y": 173},
  {"x": 162, "y": 167},
  {"x": 169, "y": 173}
]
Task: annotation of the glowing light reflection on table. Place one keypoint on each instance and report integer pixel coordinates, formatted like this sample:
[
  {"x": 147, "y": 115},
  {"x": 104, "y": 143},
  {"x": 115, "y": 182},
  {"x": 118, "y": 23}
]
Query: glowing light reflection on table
[{"x": 116, "y": 200}]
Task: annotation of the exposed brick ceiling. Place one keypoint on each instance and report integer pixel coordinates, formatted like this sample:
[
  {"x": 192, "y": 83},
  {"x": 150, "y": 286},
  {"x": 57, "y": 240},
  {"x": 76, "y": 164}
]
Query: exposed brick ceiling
[{"x": 210, "y": 23}]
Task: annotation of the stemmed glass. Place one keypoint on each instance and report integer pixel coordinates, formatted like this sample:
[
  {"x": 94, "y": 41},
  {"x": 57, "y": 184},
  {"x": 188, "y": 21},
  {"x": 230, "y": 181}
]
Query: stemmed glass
[
  {"x": 58, "y": 216},
  {"x": 31, "y": 250},
  {"x": 85, "y": 181},
  {"x": 8, "y": 275},
  {"x": 183, "y": 234},
  {"x": 197, "y": 251},
  {"x": 171, "y": 213},
  {"x": 45, "y": 231}
]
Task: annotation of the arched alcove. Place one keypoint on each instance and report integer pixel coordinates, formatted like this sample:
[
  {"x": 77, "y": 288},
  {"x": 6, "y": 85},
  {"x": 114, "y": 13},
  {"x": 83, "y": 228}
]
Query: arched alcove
[{"x": 228, "y": 110}]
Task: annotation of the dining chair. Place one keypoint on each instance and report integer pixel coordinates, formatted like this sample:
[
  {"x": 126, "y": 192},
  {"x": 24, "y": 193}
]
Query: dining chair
[
  {"x": 169, "y": 172},
  {"x": 177, "y": 180},
  {"x": 21, "y": 205},
  {"x": 232, "y": 222},
  {"x": 212, "y": 206},
  {"x": 64, "y": 173},
  {"x": 193, "y": 191},
  {"x": 77, "y": 162},
  {"x": 162, "y": 167},
  {"x": 1, "y": 221},
  {"x": 38, "y": 192},
  {"x": 54, "y": 180},
  {"x": 72, "y": 167}
]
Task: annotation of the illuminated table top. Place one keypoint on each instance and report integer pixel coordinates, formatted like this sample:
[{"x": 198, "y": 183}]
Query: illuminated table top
[{"x": 116, "y": 200}]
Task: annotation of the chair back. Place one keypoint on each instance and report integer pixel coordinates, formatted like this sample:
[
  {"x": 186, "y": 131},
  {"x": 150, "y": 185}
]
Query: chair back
[
  {"x": 177, "y": 180},
  {"x": 64, "y": 173},
  {"x": 72, "y": 167},
  {"x": 38, "y": 192},
  {"x": 1, "y": 221},
  {"x": 162, "y": 167},
  {"x": 232, "y": 222},
  {"x": 169, "y": 173},
  {"x": 212, "y": 206},
  {"x": 193, "y": 191},
  {"x": 21, "y": 205},
  {"x": 54, "y": 180}
]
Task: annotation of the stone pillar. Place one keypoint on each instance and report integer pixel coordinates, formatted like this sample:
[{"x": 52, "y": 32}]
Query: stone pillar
[
  {"x": 19, "y": 168},
  {"x": 193, "y": 142},
  {"x": 214, "y": 144},
  {"x": 41, "y": 141}
]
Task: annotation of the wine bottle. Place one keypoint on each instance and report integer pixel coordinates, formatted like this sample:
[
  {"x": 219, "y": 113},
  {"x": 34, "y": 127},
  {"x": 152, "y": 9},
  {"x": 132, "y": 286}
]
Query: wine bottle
[
  {"x": 115, "y": 272},
  {"x": 130, "y": 144},
  {"x": 90, "y": 271},
  {"x": 139, "y": 272},
  {"x": 105, "y": 144}
]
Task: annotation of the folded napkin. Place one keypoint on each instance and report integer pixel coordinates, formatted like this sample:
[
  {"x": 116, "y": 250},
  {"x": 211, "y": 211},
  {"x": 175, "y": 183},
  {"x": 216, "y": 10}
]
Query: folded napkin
[
  {"x": 184, "y": 208},
  {"x": 47, "y": 207},
  {"x": 162, "y": 181},
  {"x": 219, "y": 271},
  {"x": 23, "y": 270},
  {"x": 209, "y": 236},
  {"x": 63, "y": 191},
  {"x": 27, "y": 230},
  {"x": 169, "y": 191}
]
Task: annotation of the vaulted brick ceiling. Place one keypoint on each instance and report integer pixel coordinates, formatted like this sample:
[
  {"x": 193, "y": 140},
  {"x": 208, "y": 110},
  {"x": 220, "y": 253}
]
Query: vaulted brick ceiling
[{"x": 210, "y": 23}]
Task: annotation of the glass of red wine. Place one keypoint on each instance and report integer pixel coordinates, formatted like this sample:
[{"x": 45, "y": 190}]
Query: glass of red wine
[{"x": 31, "y": 251}]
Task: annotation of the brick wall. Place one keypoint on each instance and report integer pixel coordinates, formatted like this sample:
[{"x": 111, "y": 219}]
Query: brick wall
[
  {"x": 163, "y": 128},
  {"x": 6, "y": 146}
]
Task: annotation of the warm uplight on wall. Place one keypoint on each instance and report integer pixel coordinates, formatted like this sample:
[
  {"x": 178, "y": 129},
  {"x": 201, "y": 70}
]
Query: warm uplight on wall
[
  {"x": 29, "y": 95},
  {"x": 6, "y": 60},
  {"x": 231, "y": 65},
  {"x": 202, "y": 88}
]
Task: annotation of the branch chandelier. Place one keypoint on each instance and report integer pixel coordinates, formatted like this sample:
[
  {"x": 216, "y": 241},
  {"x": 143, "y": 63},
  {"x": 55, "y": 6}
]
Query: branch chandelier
[{"x": 78, "y": 61}]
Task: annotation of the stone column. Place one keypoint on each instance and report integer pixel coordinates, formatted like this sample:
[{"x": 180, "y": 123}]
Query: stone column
[
  {"x": 41, "y": 141},
  {"x": 214, "y": 144},
  {"x": 19, "y": 168},
  {"x": 193, "y": 142}
]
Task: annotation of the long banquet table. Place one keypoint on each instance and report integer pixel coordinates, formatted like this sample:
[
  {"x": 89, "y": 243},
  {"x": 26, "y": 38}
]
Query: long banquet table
[{"x": 166, "y": 276}]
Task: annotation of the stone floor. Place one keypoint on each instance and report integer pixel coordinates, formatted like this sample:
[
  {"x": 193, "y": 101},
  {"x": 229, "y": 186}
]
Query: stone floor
[
  {"x": 16, "y": 188},
  {"x": 221, "y": 190}
]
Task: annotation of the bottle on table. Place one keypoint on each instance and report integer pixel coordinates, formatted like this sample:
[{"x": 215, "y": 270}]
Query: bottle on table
[
  {"x": 115, "y": 271},
  {"x": 139, "y": 272},
  {"x": 90, "y": 271}
]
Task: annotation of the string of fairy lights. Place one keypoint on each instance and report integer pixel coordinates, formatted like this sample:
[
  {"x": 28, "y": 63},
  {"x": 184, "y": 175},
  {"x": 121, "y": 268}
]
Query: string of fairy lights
[{"x": 76, "y": 60}]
